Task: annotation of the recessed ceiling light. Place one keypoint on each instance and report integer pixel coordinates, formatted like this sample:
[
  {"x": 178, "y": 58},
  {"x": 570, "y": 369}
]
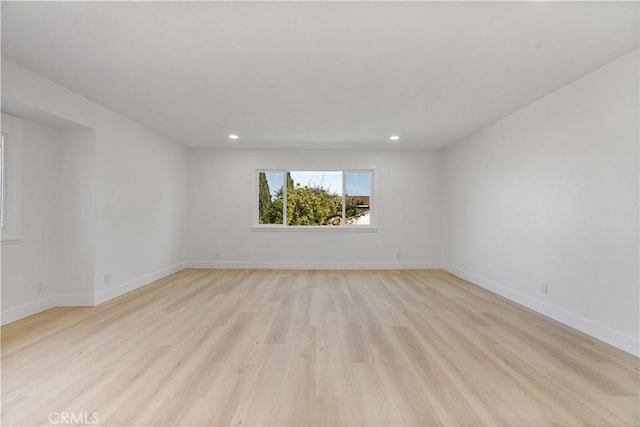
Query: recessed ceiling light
[
  {"x": 233, "y": 136},
  {"x": 394, "y": 138}
]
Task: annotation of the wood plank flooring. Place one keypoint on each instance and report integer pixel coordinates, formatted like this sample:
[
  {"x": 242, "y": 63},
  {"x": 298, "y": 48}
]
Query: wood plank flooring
[{"x": 312, "y": 348}]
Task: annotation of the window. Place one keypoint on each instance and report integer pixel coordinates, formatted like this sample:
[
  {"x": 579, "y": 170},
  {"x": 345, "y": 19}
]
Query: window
[
  {"x": 314, "y": 198},
  {"x": 3, "y": 179},
  {"x": 10, "y": 173}
]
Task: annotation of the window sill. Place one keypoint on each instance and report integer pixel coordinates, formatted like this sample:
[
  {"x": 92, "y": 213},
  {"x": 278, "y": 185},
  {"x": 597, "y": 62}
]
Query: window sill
[
  {"x": 11, "y": 240},
  {"x": 321, "y": 229}
]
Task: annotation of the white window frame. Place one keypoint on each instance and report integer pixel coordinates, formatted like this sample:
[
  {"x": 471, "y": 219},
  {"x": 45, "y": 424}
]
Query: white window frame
[
  {"x": 256, "y": 226},
  {"x": 3, "y": 178},
  {"x": 12, "y": 180}
]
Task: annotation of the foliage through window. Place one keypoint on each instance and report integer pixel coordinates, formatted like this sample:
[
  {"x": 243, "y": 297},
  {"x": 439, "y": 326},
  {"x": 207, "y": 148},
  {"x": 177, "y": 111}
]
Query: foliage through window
[{"x": 315, "y": 198}]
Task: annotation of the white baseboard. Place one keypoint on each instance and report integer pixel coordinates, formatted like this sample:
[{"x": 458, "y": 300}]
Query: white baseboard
[
  {"x": 603, "y": 333},
  {"x": 131, "y": 285},
  {"x": 314, "y": 265},
  {"x": 16, "y": 313},
  {"x": 24, "y": 310},
  {"x": 75, "y": 300}
]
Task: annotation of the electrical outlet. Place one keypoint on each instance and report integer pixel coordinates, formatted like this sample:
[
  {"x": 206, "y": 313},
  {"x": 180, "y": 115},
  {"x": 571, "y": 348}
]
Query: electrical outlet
[
  {"x": 217, "y": 255},
  {"x": 397, "y": 255},
  {"x": 107, "y": 279},
  {"x": 40, "y": 288},
  {"x": 543, "y": 288}
]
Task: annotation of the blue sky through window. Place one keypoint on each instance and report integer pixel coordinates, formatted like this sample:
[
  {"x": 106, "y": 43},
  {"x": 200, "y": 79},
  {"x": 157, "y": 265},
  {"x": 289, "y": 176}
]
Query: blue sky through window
[
  {"x": 357, "y": 183},
  {"x": 331, "y": 180},
  {"x": 275, "y": 181}
]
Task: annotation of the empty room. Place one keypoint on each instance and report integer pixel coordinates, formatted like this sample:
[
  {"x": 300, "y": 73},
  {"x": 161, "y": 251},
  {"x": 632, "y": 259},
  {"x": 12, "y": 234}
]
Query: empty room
[{"x": 320, "y": 213}]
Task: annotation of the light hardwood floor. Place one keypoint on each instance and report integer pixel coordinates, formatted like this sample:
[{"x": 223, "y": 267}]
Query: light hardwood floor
[{"x": 312, "y": 348}]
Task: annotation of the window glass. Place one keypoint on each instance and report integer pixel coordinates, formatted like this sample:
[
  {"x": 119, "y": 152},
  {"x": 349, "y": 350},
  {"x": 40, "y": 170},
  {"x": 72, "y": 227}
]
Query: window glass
[
  {"x": 358, "y": 197},
  {"x": 315, "y": 198},
  {"x": 2, "y": 179},
  {"x": 270, "y": 197}
]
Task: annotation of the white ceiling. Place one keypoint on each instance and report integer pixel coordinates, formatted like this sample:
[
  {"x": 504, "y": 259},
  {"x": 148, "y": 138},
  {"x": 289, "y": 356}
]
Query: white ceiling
[{"x": 316, "y": 74}]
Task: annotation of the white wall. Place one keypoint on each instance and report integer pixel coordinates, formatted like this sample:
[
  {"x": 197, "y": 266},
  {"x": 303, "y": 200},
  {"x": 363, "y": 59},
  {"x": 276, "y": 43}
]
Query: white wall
[
  {"x": 550, "y": 194},
  {"x": 56, "y": 246},
  {"x": 75, "y": 194},
  {"x": 142, "y": 208},
  {"x": 32, "y": 260},
  {"x": 140, "y": 185},
  {"x": 407, "y": 201}
]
